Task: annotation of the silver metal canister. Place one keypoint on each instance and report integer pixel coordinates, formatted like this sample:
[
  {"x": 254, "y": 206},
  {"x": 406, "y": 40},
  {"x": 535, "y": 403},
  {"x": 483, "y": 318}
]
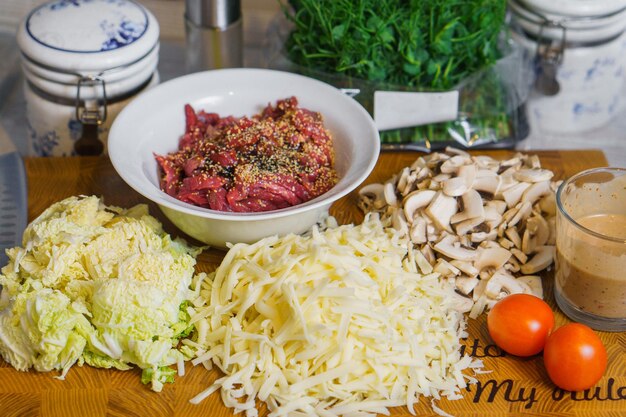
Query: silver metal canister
[{"x": 214, "y": 32}]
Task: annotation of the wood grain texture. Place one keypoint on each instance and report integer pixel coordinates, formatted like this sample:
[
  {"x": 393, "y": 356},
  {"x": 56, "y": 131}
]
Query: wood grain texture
[{"x": 515, "y": 387}]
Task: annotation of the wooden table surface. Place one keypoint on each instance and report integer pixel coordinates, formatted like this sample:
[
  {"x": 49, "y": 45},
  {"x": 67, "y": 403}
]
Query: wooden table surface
[{"x": 516, "y": 386}]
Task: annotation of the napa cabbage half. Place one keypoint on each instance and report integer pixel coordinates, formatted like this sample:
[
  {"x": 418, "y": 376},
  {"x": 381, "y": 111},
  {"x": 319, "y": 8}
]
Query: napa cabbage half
[{"x": 99, "y": 285}]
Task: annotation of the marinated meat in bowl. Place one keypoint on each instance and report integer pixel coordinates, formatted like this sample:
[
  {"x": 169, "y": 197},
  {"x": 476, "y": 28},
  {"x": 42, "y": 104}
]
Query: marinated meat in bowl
[
  {"x": 331, "y": 159},
  {"x": 278, "y": 158}
]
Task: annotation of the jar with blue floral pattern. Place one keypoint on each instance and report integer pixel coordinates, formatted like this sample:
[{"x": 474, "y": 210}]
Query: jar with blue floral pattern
[
  {"x": 578, "y": 50},
  {"x": 83, "y": 61}
]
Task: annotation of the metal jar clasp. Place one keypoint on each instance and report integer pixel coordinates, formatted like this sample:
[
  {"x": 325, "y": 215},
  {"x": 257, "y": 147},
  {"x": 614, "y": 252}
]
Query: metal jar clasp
[
  {"x": 548, "y": 58},
  {"x": 91, "y": 116}
]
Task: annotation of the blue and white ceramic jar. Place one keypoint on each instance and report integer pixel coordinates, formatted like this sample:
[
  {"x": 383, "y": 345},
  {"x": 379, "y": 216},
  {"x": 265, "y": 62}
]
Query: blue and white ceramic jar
[
  {"x": 83, "y": 61},
  {"x": 579, "y": 50}
]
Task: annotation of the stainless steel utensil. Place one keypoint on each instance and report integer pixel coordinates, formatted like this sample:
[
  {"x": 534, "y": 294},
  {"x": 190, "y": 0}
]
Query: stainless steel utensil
[
  {"x": 13, "y": 202},
  {"x": 214, "y": 31}
]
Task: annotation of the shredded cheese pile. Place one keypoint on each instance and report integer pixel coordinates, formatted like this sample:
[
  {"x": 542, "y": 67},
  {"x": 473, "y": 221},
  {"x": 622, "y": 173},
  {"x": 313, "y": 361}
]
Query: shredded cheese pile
[{"x": 338, "y": 322}]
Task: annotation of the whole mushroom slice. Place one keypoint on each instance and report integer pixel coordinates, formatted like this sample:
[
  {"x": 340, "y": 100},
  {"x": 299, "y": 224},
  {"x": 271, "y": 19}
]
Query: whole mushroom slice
[
  {"x": 440, "y": 209},
  {"x": 541, "y": 260},
  {"x": 493, "y": 257},
  {"x": 415, "y": 201},
  {"x": 468, "y": 225},
  {"x": 374, "y": 194},
  {"x": 389, "y": 192},
  {"x": 502, "y": 281},
  {"x": 472, "y": 205},
  {"x": 536, "y": 191},
  {"x": 449, "y": 247}
]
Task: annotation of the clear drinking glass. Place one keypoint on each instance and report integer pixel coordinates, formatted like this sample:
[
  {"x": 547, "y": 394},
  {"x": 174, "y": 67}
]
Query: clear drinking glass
[{"x": 590, "y": 273}]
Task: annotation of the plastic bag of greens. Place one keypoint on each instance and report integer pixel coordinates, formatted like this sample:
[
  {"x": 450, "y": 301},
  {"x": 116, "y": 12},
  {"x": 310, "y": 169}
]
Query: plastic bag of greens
[{"x": 431, "y": 73}]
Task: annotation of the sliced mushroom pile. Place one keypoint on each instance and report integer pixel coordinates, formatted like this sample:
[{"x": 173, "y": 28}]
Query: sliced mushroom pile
[{"x": 485, "y": 223}]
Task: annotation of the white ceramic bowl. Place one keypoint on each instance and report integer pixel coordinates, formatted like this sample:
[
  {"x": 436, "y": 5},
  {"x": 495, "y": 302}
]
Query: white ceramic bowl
[{"x": 154, "y": 122}]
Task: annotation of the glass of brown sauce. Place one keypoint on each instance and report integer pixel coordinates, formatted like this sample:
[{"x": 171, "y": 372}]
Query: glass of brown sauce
[{"x": 590, "y": 275}]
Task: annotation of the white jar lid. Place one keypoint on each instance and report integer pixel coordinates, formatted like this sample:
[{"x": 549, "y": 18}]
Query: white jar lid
[
  {"x": 117, "y": 83},
  {"x": 551, "y": 22},
  {"x": 578, "y": 8},
  {"x": 86, "y": 36}
]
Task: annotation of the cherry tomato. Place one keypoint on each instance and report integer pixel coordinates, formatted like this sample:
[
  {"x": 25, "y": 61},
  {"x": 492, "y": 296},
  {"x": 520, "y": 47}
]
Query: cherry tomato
[
  {"x": 574, "y": 357},
  {"x": 520, "y": 324}
]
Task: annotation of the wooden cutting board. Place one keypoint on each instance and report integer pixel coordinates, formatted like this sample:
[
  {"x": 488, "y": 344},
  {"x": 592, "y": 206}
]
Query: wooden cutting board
[{"x": 515, "y": 387}]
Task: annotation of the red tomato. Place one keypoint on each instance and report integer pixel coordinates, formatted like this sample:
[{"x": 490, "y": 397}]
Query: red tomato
[
  {"x": 574, "y": 357},
  {"x": 520, "y": 324}
]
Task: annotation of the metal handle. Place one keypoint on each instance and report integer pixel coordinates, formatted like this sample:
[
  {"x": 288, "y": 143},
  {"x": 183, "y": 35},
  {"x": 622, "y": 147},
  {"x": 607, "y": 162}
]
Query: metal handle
[
  {"x": 95, "y": 115},
  {"x": 548, "y": 58},
  {"x": 90, "y": 118}
]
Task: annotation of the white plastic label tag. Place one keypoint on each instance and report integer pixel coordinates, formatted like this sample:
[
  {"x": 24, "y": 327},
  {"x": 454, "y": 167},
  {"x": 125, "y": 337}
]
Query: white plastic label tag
[{"x": 398, "y": 109}]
